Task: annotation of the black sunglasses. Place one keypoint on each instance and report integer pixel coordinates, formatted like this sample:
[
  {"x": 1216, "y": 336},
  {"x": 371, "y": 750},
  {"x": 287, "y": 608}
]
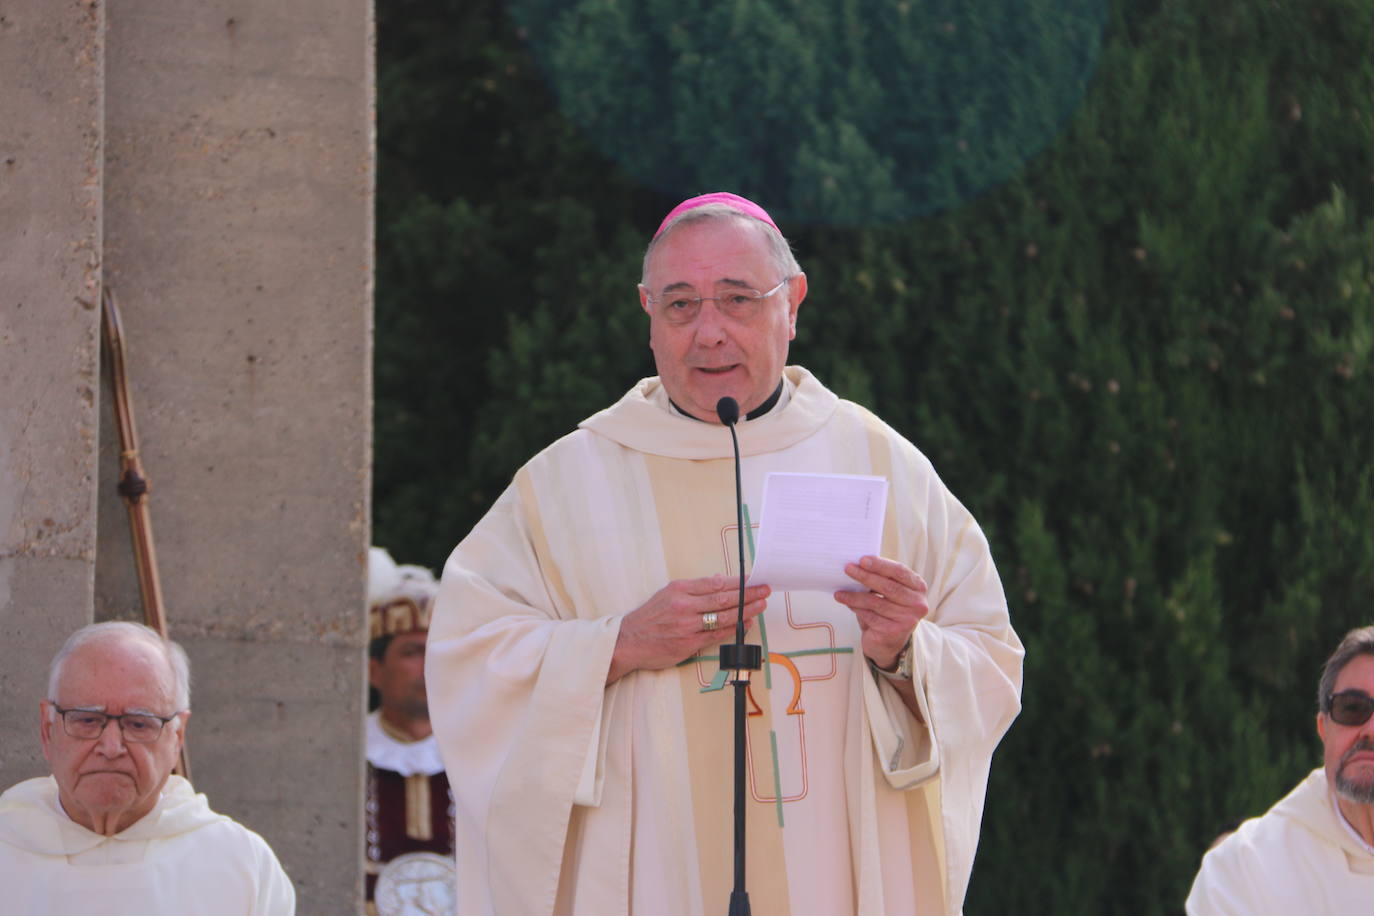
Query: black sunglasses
[{"x": 1350, "y": 707}]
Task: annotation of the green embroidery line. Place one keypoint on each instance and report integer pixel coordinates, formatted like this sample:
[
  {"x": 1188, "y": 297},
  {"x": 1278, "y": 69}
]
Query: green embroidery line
[
  {"x": 763, "y": 625},
  {"x": 837, "y": 650},
  {"x": 777, "y": 776},
  {"x": 717, "y": 682},
  {"x": 767, "y": 680},
  {"x": 749, "y": 532}
]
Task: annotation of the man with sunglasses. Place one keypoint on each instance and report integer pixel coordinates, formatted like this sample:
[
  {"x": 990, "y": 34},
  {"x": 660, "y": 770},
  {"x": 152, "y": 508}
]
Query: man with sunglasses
[
  {"x": 1313, "y": 852},
  {"x": 112, "y": 830},
  {"x": 572, "y": 663}
]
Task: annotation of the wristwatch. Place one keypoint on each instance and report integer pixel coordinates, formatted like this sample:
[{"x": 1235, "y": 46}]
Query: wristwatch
[{"x": 901, "y": 669}]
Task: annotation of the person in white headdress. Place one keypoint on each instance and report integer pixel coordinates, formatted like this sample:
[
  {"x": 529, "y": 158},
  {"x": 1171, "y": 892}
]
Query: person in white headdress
[{"x": 409, "y": 809}]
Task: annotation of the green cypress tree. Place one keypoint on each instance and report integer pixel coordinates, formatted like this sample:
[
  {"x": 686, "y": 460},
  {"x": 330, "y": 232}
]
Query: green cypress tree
[
  {"x": 481, "y": 185},
  {"x": 846, "y": 112}
]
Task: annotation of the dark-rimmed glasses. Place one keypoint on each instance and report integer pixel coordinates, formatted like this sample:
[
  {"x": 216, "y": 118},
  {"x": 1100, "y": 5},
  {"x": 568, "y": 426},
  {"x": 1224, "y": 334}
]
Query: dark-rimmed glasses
[
  {"x": 740, "y": 303},
  {"x": 136, "y": 727},
  {"x": 1350, "y": 707}
]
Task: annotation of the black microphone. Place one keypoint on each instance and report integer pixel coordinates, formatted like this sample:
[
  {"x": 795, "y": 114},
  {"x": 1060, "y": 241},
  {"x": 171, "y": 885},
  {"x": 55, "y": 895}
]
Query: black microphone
[
  {"x": 740, "y": 658},
  {"x": 728, "y": 410}
]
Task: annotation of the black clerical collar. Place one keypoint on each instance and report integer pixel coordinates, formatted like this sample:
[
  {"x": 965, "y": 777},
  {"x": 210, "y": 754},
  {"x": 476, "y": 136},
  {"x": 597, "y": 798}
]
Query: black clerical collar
[{"x": 751, "y": 415}]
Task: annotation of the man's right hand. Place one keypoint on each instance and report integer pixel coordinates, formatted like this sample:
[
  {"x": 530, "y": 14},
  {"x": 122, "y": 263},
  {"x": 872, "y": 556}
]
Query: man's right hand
[{"x": 669, "y": 626}]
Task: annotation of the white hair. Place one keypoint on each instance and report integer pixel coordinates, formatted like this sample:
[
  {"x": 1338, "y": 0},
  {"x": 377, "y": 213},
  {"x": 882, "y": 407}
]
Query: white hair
[
  {"x": 116, "y": 630},
  {"x": 779, "y": 251}
]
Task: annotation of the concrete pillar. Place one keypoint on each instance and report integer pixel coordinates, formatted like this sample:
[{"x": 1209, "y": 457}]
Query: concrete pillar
[
  {"x": 238, "y": 215},
  {"x": 51, "y": 60}
]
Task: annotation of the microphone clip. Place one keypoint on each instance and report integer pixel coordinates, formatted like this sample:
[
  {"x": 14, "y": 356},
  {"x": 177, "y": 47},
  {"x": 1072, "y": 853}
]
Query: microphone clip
[{"x": 741, "y": 656}]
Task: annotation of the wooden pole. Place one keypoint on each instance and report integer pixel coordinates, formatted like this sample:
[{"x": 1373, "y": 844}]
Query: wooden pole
[{"x": 133, "y": 484}]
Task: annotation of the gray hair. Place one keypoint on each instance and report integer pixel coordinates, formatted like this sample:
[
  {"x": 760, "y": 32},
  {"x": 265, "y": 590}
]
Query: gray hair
[
  {"x": 779, "y": 251},
  {"x": 1359, "y": 641},
  {"x": 117, "y": 630}
]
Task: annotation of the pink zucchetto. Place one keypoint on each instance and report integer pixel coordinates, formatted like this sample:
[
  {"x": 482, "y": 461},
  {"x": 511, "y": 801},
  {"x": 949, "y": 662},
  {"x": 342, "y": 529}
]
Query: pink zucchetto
[{"x": 733, "y": 201}]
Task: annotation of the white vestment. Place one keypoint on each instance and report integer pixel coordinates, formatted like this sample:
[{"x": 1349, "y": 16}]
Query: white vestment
[
  {"x": 1299, "y": 859},
  {"x": 180, "y": 859},
  {"x": 575, "y": 797}
]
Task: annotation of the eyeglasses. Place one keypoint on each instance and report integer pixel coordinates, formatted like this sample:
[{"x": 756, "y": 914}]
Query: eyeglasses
[
  {"x": 1350, "y": 707},
  {"x": 137, "y": 727},
  {"x": 740, "y": 304}
]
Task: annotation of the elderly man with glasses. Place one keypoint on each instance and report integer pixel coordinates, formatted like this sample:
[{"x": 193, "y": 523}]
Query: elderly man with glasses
[
  {"x": 1313, "y": 852},
  {"x": 112, "y": 830},
  {"x": 572, "y": 667}
]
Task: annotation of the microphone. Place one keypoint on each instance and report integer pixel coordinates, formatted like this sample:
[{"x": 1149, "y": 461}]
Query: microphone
[
  {"x": 727, "y": 409},
  {"x": 741, "y": 658}
]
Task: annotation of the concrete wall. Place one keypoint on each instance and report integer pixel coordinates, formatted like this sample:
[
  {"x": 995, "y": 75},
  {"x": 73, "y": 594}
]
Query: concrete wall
[{"x": 236, "y": 207}]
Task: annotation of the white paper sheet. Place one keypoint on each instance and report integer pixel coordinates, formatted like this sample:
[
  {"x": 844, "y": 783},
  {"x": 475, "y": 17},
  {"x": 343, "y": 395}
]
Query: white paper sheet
[{"x": 811, "y": 525}]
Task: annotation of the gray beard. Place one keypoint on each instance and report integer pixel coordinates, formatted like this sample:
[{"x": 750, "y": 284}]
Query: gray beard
[{"x": 1361, "y": 793}]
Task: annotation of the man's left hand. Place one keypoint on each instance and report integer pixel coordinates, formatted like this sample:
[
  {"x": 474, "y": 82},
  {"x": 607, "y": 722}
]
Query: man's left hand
[{"x": 889, "y": 611}]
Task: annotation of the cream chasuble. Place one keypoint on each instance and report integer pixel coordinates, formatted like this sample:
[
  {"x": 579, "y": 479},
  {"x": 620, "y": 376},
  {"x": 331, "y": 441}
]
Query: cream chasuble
[
  {"x": 574, "y": 797},
  {"x": 1300, "y": 857}
]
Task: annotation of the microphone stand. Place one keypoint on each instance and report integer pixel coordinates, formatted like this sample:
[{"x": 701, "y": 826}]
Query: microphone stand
[{"x": 741, "y": 658}]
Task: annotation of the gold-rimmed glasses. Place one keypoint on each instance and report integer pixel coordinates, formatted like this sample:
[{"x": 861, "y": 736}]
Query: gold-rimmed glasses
[{"x": 741, "y": 303}]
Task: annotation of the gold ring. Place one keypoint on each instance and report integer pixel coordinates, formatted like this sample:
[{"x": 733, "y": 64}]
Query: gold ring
[{"x": 709, "y": 620}]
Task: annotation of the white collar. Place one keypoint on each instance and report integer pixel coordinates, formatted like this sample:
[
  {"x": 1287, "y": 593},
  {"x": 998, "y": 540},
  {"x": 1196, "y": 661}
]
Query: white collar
[
  {"x": 1349, "y": 828},
  {"x": 644, "y": 421},
  {"x": 408, "y": 758},
  {"x": 784, "y": 395}
]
